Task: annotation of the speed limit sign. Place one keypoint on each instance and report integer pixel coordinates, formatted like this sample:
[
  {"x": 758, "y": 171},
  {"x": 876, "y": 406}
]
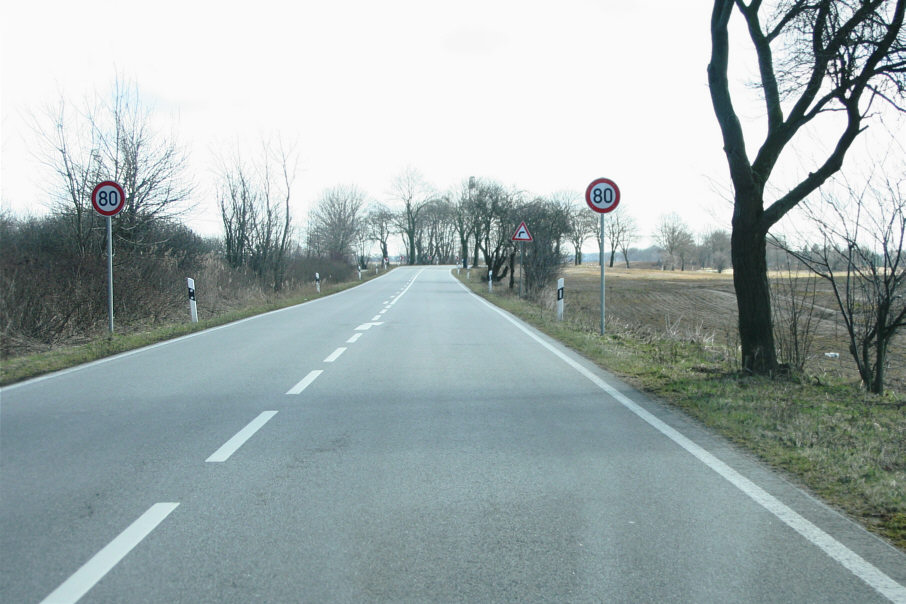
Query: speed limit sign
[
  {"x": 108, "y": 198},
  {"x": 602, "y": 195}
]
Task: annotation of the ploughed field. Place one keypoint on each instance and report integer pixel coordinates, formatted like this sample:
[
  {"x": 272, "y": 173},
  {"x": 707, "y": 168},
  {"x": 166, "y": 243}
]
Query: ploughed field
[{"x": 702, "y": 306}]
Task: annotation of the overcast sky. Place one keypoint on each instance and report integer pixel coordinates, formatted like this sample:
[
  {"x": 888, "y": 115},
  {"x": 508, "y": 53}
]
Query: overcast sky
[{"x": 539, "y": 95}]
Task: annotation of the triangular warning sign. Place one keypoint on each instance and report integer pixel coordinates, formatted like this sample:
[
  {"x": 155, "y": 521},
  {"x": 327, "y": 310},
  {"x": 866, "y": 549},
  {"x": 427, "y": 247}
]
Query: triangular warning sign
[{"x": 522, "y": 233}]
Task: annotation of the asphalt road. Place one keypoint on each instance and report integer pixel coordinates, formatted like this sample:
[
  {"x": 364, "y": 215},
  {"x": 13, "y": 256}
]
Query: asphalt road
[{"x": 400, "y": 441}]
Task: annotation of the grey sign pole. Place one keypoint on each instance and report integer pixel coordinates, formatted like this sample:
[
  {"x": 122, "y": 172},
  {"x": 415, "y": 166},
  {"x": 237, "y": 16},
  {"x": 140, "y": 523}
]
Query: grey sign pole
[
  {"x": 602, "y": 196},
  {"x": 522, "y": 271},
  {"x": 601, "y": 255},
  {"x": 110, "y": 274}
]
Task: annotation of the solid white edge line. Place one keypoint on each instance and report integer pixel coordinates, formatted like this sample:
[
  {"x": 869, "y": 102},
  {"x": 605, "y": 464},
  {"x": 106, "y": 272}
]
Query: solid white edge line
[
  {"x": 230, "y": 446},
  {"x": 354, "y": 338},
  {"x": 306, "y": 382},
  {"x": 857, "y": 565},
  {"x": 76, "y": 586},
  {"x": 334, "y": 355}
]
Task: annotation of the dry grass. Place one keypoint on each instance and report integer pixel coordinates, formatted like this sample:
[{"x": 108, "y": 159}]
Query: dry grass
[{"x": 697, "y": 304}]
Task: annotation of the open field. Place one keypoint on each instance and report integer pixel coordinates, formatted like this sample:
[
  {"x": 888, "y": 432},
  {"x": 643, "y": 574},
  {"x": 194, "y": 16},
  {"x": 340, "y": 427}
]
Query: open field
[
  {"x": 702, "y": 305},
  {"x": 673, "y": 334}
]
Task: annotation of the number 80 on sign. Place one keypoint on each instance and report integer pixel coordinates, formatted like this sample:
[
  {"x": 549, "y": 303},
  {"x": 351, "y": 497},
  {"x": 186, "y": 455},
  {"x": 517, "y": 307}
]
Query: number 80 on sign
[
  {"x": 602, "y": 195},
  {"x": 108, "y": 198}
]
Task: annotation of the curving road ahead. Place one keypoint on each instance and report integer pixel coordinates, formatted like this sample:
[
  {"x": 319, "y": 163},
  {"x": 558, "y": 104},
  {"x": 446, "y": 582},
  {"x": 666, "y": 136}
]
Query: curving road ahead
[{"x": 401, "y": 441}]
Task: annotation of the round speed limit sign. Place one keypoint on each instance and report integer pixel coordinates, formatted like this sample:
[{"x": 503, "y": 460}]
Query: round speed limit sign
[
  {"x": 108, "y": 198},
  {"x": 602, "y": 195}
]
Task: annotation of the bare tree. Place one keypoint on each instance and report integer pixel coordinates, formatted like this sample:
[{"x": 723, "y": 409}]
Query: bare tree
[
  {"x": 336, "y": 221},
  {"x": 582, "y": 220},
  {"x": 149, "y": 166},
  {"x": 495, "y": 224},
  {"x": 254, "y": 203},
  {"x": 621, "y": 233},
  {"x": 463, "y": 221},
  {"x": 864, "y": 260},
  {"x": 439, "y": 228},
  {"x": 112, "y": 140},
  {"x": 238, "y": 204},
  {"x": 412, "y": 192},
  {"x": 814, "y": 57},
  {"x": 715, "y": 249},
  {"x": 380, "y": 227},
  {"x": 675, "y": 238}
]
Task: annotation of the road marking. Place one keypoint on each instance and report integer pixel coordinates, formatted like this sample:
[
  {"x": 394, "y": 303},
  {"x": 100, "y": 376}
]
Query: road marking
[
  {"x": 230, "y": 446},
  {"x": 334, "y": 355},
  {"x": 367, "y": 326},
  {"x": 306, "y": 382},
  {"x": 382, "y": 311},
  {"x": 850, "y": 560},
  {"x": 354, "y": 338},
  {"x": 375, "y": 317},
  {"x": 94, "y": 570}
]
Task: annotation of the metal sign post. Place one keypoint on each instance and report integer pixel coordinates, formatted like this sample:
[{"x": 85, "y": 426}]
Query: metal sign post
[
  {"x": 602, "y": 196},
  {"x": 109, "y": 200},
  {"x": 601, "y": 260},
  {"x": 110, "y": 275}
]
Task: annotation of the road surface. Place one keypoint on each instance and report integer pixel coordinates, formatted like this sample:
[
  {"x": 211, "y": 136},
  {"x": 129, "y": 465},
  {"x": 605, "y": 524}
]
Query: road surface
[{"x": 400, "y": 441}]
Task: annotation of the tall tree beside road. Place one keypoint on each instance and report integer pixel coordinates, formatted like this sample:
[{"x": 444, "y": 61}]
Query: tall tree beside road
[
  {"x": 380, "y": 226},
  {"x": 816, "y": 58},
  {"x": 254, "y": 206},
  {"x": 463, "y": 221},
  {"x": 336, "y": 221},
  {"x": 412, "y": 191},
  {"x": 495, "y": 224}
]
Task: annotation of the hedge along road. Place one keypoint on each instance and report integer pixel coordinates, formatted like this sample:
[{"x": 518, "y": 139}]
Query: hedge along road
[{"x": 402, "y": 440}]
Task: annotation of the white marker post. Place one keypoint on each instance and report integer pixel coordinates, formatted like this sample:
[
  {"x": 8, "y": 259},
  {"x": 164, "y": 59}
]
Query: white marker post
[
  {"x": 490, "y": 281},
  {"x": 108, "y": 200},
  {"x": 560, "y": 299},
  {"x": 602, "y": 196},
  {"x": 193, "y": 308},
  {"x": 318, "y": 282}
]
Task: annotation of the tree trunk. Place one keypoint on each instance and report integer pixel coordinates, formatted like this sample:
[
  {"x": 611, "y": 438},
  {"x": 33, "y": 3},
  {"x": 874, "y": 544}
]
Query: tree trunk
[{"x": 753, "y": 297}]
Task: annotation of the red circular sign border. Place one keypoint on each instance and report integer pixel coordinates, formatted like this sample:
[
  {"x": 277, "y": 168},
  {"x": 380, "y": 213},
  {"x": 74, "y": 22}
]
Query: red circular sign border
[
  {"x": 94, "y": 195},
  {"x": 599, "y": 181}
]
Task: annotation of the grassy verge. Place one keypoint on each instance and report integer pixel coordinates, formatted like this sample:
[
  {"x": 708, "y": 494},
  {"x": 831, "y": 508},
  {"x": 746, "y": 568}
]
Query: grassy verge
[
  {"x": 842, "y": 444},
  {"x": 16, "y": 369}
]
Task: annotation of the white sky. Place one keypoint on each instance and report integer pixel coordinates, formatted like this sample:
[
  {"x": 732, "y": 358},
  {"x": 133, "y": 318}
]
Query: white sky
[{"x": 541, "y": 95}]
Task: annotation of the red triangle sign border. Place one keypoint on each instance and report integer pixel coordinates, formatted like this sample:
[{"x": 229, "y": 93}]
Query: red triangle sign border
[{"x": 522, "y": 233}]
